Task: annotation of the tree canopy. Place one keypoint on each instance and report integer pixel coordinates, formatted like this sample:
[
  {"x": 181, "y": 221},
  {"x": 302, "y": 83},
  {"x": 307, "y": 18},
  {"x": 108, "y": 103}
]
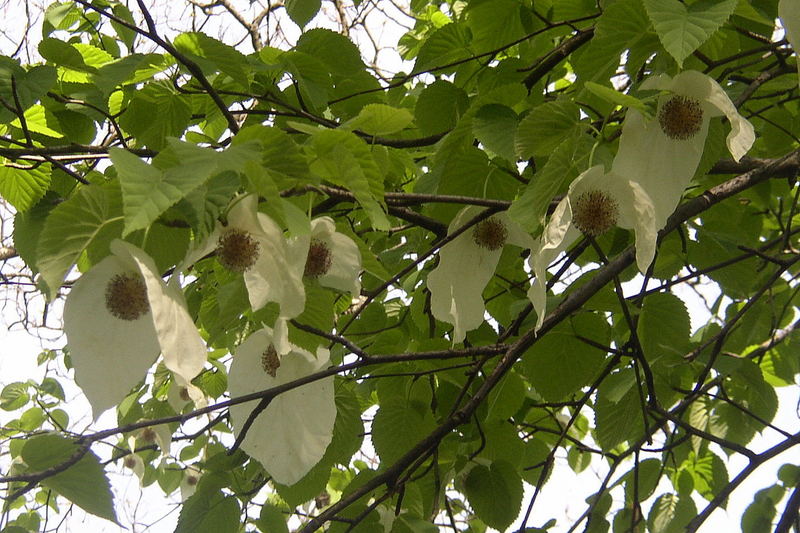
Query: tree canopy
[{"x": 324, "y": 290}]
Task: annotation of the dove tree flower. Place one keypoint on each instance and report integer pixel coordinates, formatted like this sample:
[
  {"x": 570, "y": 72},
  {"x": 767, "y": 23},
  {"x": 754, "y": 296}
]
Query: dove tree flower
[
  {"x": 595, "y": 202},
  {"x": 118, "y": 317},
  {"x": 253, "y": 244},
  {"x": 290, "y": 436},
  {"x": 663, "y": 154},
  {"x": 332, "y": 258},
  {"x": 466, "y": 264}
]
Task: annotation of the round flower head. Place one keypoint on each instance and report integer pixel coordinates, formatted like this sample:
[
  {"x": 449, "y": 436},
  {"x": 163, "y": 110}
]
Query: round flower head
[
  {"x": 290, "y": 436},
  {"x": 118, "y": 317},
  {"x": 663, "y": 154},
  {"x": 595, "y": 203},
  {"x": 253, "y": 244},
  {"x": 466, "y": 264},
  {"x": 789, "y": 12},
  {"x": 331, "y": 257}
]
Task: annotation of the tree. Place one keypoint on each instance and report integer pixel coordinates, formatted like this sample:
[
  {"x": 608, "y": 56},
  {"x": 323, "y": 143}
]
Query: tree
[{"x": 401, "y": 296}]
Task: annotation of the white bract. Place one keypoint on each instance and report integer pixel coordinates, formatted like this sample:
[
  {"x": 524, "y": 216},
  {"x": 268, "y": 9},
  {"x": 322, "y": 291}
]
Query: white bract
[
  {"x": 118, "y": 317},
  {"x": 331, "y": 257},
  {"x": 596, "y": 201},
  {"x": 466, "y": 264},
  {"x": 663, "y": 154},
  {"x": 252, "y": 243},
  {"x": 789, "y": 12},
  {"x": 290, "y": 436}
]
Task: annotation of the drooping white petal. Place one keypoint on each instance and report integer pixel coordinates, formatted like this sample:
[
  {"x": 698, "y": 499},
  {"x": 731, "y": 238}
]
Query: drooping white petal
[
  {"x": 109, "y": 355},
  {"x": 277, "y": 275},
  {"x": 274, "y": 278},
  {"x": 133, "y": 461},
  {"x": 662, "y": 165},
  {"x": 638, "y": 213},
  {"x": 191, "y": 477},
  {"x": 182, "y": 392},
  {"x": 715, "y": 102},
  {"x": 345, "y": 257},
  {"x": 557, "y": 235},
  {"x": 464, "y": 270},
  {"x": 181, "y": 345},
  {"x": 290, "y": 436},
  {"x": 635, "y": 211}
]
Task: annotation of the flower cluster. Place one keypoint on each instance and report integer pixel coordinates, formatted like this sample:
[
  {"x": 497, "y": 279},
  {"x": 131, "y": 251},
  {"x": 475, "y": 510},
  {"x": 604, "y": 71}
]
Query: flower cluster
[
  {"x": 655, "y": 162},
  {"x": 136, "y": 316}
]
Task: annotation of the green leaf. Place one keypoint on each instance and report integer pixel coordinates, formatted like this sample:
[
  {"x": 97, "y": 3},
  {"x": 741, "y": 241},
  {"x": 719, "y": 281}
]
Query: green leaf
[
  {"x": 312, "y": 76},
  {"x": 92, "y": 216},
  {"x": 397, "y": 427},
  {"x": 506, "y": 398},
  {"x": 648, "y": 473},
  {"x": 569, "y": 159},
  {"x": 22, "y": 188},
  {"x": 148, "y": 191},
  {"x": 63, "y": 54},
  {"x": 495, "y": 492},
  {"x": 84, "y": 483},
  {"x": 663, "y": 326},
  {"x": 439, "y": 106},
  {"x": 494, "y": 24},
  {"x": 494, "y": 126},
  {"x": 681, "y": 28},
  {"x": 380, "y": 119},
  {"x": 622, "y": 26},
  {"x": 759, "y": 515},
  {"x": 446, "y": 45},
  {"x": 345, "y": 160},
  {"x": 205, "y": 203},
  {"x": 14, "y": 396},
  {"x": 559, "y": 365},
  {"x": 338, "y": 53},
  {"x": 617, "y": 98},
  {"x": 272, "y": 519},
  {"x": 209, "y": 511},
  {"x": 30, "y": 86},
  {"x": 618, "y": 410},
  {"x": 302, "y": 11},
  {"x": 155, "y": 113},
  {"x": 223, "y": 57},
  {"x": 125, "y": 34},
  {"x": 546, "y": 127},
  {"x": 670, "y": 514}
]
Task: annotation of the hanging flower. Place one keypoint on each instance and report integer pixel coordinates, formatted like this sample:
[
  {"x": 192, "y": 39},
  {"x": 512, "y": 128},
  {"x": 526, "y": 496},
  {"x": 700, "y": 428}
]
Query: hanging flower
[
  {"x": 191, "y": 477},
  {"x": 132, "y": 461},
  {"x": 290, "y": 436},
  {"x": 118, "y": 317},
  {"x": 332, "y": 258},
  {"x": 595, "y": 203},
  {"x": 181, "y": 392},
  {"x": 251, "y": 243},
  {"x": 789, "y": 12},
  {"x": 160, "y": 435},
  {"x": 663, "y": 154},
  {"x": 466, "y": 264}
]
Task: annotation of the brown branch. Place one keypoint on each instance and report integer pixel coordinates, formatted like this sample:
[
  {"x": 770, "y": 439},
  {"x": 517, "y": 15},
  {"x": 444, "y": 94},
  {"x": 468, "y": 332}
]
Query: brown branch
[
  {"x": 555, "y": 56},
  {"x": 190, "y": 65},
  {"x": 570, "y": 304}
]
